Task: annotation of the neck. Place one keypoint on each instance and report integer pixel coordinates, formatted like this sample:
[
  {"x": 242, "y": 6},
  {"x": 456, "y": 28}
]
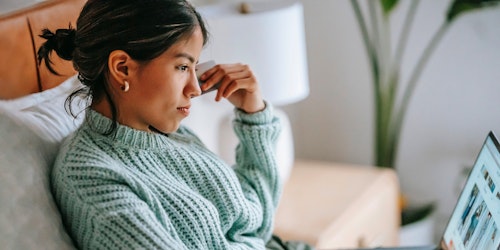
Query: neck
[{"x": 103, "y": 107}]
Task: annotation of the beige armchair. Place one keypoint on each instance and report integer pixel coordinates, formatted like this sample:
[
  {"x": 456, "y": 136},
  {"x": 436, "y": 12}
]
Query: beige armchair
[{"x": 333, "y": 205}]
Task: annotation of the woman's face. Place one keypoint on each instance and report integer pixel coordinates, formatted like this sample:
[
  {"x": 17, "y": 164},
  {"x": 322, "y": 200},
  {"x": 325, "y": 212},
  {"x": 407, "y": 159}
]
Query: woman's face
[{"x": 161, "y": 90}]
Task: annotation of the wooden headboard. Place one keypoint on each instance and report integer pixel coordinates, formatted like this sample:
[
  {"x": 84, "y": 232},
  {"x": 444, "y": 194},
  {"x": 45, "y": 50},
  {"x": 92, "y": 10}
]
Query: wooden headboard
[{"x": 19, "y": 41}]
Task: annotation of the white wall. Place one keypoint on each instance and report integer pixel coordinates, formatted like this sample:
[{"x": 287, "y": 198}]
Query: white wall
[{"x": 453, "y": 108}]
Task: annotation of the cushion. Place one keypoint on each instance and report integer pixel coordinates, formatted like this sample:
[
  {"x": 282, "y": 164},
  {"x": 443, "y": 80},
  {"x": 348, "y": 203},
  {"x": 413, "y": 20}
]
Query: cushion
[
  {"x": 32, "y": 128},
  {"x": 29, "y": 218},
  {"x": 44, "y": 112}
]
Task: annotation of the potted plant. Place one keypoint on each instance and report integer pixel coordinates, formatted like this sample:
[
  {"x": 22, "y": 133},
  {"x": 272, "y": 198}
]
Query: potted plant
[{"x": 392, "y": 94}]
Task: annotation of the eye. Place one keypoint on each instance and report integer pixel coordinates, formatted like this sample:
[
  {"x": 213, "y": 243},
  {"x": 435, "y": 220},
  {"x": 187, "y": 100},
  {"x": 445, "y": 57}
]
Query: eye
[{"x": 183, "y": 68}]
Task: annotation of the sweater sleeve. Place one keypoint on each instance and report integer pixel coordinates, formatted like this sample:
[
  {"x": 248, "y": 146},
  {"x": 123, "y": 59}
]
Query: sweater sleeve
[
  {"x": 256, "y": 165},
  {"x": 102, "y": 212}
]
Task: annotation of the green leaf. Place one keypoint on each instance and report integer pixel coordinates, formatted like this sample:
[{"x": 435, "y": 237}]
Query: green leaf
[
  {"x": 388, "y": 6},
  {"x": 459, "y": 7}
]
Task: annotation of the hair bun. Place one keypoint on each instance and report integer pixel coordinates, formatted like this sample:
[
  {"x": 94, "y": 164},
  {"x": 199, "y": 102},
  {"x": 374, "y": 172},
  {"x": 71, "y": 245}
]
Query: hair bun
[
  {"x": 65, "y": 43},
  {"x": 62, "y": 42}
]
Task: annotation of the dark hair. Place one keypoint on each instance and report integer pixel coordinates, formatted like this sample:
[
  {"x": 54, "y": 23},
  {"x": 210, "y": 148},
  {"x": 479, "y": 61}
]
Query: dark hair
[{"x": 142, "y": 28}]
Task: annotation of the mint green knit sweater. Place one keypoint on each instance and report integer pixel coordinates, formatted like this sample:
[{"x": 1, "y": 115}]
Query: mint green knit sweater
[{"x": 142, "y": 190}]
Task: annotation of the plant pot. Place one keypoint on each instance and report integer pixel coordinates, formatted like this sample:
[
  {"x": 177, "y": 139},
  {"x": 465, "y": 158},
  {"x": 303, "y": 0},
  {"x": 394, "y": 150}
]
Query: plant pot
[{"x": 417, "y": 226}]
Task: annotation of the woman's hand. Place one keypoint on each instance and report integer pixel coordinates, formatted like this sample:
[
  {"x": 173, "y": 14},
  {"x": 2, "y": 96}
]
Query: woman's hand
[{"x": 237, "y": 84}]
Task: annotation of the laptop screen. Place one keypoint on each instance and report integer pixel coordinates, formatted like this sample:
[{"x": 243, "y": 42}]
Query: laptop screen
[{"x": 476, "y": 218}]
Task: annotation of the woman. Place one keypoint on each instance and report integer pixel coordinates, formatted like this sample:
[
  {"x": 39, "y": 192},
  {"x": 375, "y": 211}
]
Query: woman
[{"x": 131, "y": 176}]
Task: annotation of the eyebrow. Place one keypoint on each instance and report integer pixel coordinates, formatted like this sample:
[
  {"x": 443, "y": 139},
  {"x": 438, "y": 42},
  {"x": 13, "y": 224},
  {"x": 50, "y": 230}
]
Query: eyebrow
[{"x": 186, "y": 55}]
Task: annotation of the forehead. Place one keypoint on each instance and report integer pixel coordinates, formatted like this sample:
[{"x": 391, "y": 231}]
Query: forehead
[{"x": 189, "y": 47}]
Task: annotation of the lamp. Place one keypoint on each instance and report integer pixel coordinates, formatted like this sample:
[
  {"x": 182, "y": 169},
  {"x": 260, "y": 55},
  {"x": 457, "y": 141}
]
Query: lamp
[{"x": 269, "y": 37}]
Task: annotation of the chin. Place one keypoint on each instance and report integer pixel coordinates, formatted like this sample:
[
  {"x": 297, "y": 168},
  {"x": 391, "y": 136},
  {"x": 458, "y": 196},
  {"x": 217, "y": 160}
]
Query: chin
[{"x": 164, "y": 130}]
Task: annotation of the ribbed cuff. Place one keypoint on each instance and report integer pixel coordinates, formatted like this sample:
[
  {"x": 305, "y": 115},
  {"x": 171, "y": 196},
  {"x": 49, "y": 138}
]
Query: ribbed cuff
[{"x": 262, "y": 117}]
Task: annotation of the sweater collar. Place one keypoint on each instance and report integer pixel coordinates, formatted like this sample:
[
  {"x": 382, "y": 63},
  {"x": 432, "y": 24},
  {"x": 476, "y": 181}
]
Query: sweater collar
[{"x": 125, "y": 135}]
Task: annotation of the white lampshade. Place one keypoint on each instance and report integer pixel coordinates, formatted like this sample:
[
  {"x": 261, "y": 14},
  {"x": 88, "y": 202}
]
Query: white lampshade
[{"x": 270, "y": 39}]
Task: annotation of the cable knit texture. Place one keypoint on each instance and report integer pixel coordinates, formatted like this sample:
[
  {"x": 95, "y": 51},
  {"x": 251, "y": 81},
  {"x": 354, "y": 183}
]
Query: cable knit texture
[{"x": 143, "y": 190}]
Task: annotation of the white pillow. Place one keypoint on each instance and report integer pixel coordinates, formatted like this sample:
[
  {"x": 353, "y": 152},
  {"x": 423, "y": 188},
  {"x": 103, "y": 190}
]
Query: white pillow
[
  {"x": 31, "y": 129},
  {"x": 44, "y": 112}
]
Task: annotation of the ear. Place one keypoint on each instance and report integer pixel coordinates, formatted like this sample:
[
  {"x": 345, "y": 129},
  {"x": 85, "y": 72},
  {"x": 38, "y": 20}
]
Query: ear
[{"x": 119, "y": 65}]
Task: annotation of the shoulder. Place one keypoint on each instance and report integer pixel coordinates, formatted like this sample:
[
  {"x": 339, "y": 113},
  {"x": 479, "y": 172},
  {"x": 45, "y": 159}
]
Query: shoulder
[
  {"x": 81, "y": 157},
  {"x": 81, "y": 147},
  {"x": 189, "y": 134},
  {"x": 184, "y": 130}
]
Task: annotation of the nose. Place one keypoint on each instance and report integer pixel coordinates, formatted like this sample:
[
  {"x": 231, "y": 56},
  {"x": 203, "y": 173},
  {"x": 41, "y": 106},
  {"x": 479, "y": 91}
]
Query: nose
[{"x": 193, "y": 87}]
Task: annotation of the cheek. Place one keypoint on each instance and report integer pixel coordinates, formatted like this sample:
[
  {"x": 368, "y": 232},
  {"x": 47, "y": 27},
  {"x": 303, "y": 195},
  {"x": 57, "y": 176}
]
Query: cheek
[
  {"x": 156, "y": 84},
  {"x": 160, "y": 85},
  {"x": 161, "y": 93}
]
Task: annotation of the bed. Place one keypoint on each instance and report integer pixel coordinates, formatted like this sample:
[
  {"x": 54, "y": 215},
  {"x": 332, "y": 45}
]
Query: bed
[{"x": 33, "y": 123}]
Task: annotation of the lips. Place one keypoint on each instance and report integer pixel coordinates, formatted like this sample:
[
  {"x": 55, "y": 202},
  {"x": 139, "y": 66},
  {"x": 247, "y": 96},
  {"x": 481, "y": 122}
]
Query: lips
[{"x": 184, "y": 110}]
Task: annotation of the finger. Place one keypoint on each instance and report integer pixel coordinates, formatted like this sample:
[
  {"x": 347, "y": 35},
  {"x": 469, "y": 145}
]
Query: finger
[
  {"x": 231, "y": 79},
  {"x": 238, "y": 85},
  {"x": 226, "y": 68},
  {"x": 243, "y": 80},
  {"x": 206, "y": 81},
  {"x": 215, "y": 75}
]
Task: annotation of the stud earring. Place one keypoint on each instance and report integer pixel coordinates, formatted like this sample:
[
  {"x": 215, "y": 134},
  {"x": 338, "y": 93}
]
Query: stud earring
[{"x": 125, "y": 86}]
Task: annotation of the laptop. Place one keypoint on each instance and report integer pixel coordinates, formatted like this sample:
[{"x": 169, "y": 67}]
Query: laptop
[{"x": 475, "y": 221}]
